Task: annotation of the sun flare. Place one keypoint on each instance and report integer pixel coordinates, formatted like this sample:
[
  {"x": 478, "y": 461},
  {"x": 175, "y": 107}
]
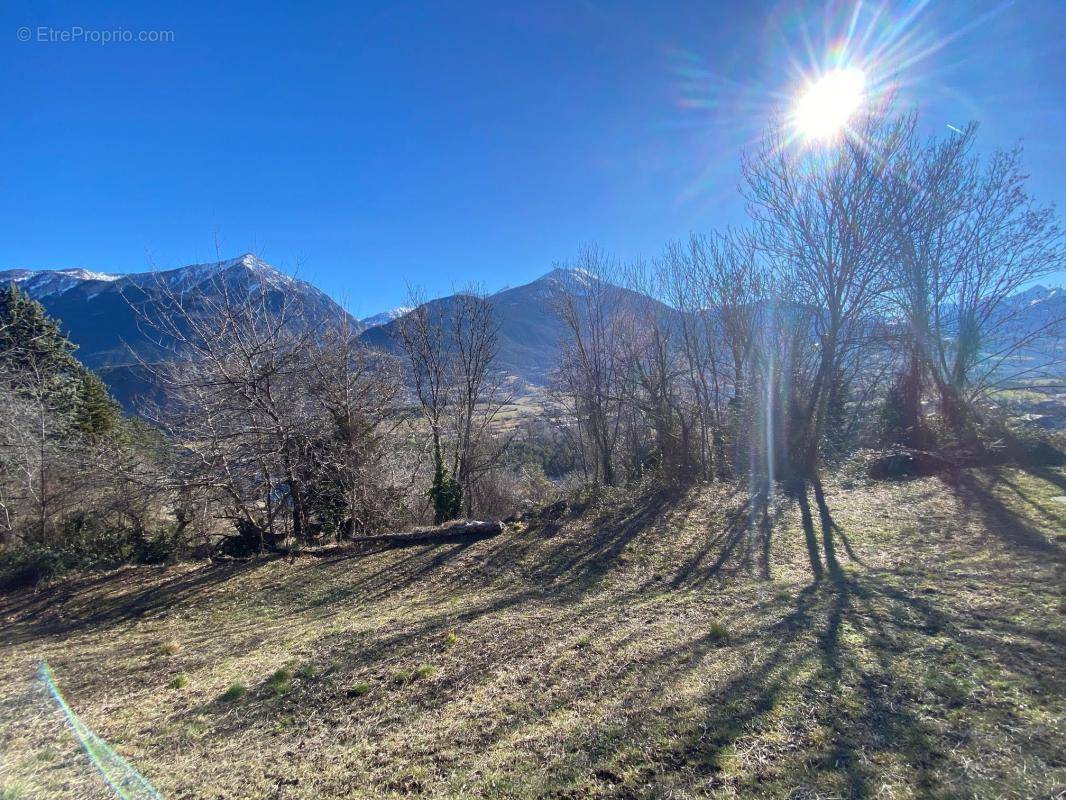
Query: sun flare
[{"x": 829, "y": 102}]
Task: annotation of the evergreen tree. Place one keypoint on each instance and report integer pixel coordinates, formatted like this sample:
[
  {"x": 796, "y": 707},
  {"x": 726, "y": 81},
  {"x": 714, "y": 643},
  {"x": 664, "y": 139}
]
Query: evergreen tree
[
  {"x": 31, "y": 340},
  {"x": 39, "y": 358},
  {"x": 96, "y": 413}
]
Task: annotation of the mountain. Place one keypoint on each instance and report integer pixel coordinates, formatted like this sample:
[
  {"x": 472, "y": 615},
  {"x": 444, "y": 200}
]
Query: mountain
[
  {"x": 42, "y": 283},
  {"x": 384, "y": 317},
  {"x": 530, "y": 330},
  {"x": 1035, "y": 307},
  {"x": 95, "y": 311},
  {"x": 95, "y": 308}
]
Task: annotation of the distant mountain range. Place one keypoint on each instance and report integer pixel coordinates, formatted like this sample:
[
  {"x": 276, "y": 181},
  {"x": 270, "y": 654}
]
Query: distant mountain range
[
  {"x": 94, "y": 309},
  {"x": 96, "y": 313}
]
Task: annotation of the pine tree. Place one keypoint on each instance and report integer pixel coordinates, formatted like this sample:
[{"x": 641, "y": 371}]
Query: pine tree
[
  {"x": 96, "y": 413},
  {"x": 38, "y": 356},
  {"x": 31, "y": 340}
]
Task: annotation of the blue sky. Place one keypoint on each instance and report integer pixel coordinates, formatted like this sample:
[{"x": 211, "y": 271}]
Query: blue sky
[{"x": 369, "y": 145}]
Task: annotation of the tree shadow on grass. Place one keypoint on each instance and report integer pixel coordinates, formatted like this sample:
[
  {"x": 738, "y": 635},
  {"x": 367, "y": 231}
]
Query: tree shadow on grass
[
  {"x": 116, "y": 597},
  {"x": 822, "y": 693},
  {"x": 738, "y": 541},
  {"x": 858, "y": 675},
  {"x": 976, "y": 494}
]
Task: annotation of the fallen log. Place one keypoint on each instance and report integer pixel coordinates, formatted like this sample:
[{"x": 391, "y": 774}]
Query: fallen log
[
  {"x": 454, "y": 531},
  {"x": 460, "y": 531}
]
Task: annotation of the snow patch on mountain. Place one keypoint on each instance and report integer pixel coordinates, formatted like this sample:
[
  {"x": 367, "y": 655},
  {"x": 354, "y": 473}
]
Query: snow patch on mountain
[
  {"x": 46, "y": 282},
  {"x": 384, "y": 317}
]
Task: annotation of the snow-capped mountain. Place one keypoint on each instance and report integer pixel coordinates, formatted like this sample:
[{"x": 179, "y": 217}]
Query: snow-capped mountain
[
  {"x": 44, "y": 282},
  {"x": 530, "y": 330},
  {"x": 1038, "y": 308},
  {"x": 384, "y": 317},
  {"x": 1038, "y": 302},
  {"x": 95, "y": 308}
]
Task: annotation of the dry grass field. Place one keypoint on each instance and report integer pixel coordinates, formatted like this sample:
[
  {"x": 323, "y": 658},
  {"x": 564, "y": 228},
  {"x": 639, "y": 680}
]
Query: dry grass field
[{"x": 641, "y": 647}]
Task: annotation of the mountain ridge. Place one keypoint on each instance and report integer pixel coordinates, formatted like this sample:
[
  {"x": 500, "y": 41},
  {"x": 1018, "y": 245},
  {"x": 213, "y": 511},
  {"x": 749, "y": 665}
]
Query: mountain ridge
[{"x": 94, "y": 309}]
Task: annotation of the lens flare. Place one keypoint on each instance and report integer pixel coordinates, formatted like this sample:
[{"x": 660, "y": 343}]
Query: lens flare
[
  {"x": 824, "y": 108},
  {"x": 124, "y": 780}
]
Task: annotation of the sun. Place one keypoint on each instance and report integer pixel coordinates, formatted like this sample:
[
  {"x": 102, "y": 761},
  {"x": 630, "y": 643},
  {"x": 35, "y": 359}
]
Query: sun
[{"x": 829, "y": 102}]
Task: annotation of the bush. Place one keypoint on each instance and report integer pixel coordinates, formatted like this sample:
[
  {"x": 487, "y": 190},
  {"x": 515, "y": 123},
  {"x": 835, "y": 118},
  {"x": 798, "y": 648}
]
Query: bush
[
  {"x": 28, "y": 566},
  {"x": 83, "y": 541},
  {"x": 235, "y": 692},
  {"x": 279, "y": 681},
  {"x": 249, "y": 540}
]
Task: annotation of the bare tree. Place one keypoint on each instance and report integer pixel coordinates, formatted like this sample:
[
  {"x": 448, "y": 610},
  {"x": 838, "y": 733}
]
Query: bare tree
[
  {"x": 588, "y": 371},
  {"x": 451, "y": 346},
  {"x": 651, "y": 368},
  {"x": 968, "y": 237},
  {"x": 731, "y": 280},
  {"x": 820, "y": 215},
  {"x": 479, "y": 390},
  {"x": 235, "y": 381},
  {"x": 358, "y": 391}
]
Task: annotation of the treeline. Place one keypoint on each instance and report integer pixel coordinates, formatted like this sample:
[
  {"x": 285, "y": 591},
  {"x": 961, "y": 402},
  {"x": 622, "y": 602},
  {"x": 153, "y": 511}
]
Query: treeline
[{"x": 866, "y": 302}]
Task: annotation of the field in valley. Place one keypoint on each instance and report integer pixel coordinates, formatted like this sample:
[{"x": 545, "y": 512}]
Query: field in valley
[{"x": 642, "y": 646}]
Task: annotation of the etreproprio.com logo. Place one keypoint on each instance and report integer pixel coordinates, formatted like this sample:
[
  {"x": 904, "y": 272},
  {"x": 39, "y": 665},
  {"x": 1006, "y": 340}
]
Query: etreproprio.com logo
[{"x": 78, "y": 34}]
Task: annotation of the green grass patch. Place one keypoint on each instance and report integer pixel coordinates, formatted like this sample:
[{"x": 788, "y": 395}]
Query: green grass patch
[
  {"x": 717, "y": 632},
  {"x": 278, "y": 684},
  {"x": 360, "y": 689},
  {"x": 235, "y": 692}
]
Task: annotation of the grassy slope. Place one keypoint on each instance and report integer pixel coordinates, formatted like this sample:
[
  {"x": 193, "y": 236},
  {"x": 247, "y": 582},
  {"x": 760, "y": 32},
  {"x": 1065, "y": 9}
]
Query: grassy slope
[{"x": 667, "y": 651}]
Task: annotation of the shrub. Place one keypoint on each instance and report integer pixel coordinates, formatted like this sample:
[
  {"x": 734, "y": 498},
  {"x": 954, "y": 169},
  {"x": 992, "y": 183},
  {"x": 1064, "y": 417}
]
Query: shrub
[
  {"x": 360, "y": 689},
  {"x": 28, "y": 566},
  {"x": 84, "y": 541},
  {"x": 425, "y": 671},
  {"x": 235, "y": 692},
  {"x": 279, "y": 681},
  {"x": 180, "y": 681},
  {"x": 718, "y": 632},
  {"x": 248, "y": 540}
]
